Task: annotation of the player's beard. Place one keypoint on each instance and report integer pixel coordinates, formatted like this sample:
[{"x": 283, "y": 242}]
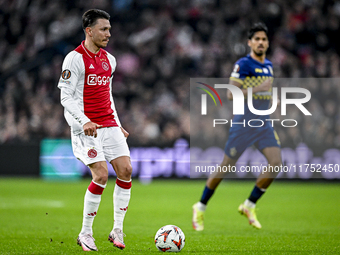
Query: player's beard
[
  {"x": 101, "y": 43},
  {"x": 259, "y": 53},
  {"x": 104, "y": 43}
]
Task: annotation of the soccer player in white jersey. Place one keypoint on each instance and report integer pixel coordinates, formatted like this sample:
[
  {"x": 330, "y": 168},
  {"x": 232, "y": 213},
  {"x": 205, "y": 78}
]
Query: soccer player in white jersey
[{"x": 96, "y": 132}]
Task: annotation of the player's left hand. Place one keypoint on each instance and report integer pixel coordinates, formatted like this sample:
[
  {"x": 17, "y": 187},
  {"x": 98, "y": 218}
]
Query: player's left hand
[
  {"x": 264, "y": 86},
  {"x": 126, "y": 133}
]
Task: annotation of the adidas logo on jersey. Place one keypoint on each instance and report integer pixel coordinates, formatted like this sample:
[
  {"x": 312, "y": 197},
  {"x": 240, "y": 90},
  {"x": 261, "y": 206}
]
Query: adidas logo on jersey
[{"x": 91, "y": 66}]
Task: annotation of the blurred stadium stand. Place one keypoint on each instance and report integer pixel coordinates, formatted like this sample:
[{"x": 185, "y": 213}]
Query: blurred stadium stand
[{"x": 159, "y": 45}]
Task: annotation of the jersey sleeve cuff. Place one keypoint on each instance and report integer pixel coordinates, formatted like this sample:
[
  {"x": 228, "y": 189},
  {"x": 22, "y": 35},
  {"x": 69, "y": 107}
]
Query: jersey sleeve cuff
[
  {"x": 84, "y": 120},
  {"x": 236, "y": 79}
]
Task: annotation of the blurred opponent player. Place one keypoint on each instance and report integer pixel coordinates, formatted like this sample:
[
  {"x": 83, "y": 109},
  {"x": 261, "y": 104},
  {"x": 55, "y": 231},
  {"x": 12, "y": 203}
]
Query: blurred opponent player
[
  {"x": 254, "y": 71},
  {"x": 96, "y": 132}
]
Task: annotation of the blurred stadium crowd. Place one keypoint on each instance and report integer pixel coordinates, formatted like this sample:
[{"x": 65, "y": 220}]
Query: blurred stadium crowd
[{"x": 159, "y": 46}]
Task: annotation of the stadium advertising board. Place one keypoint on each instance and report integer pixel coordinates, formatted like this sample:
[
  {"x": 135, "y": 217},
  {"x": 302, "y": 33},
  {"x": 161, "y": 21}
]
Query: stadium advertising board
[{"x": 58, "y": 162}]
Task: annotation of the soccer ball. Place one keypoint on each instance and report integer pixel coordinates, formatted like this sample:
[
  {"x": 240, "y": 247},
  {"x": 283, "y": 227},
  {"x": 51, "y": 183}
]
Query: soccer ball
[{"x": 170, "y": 238}]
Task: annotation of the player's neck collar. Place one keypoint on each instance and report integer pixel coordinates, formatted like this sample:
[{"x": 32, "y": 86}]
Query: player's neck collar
[
  {"x": 89, "y": 53},
  {"x": 256, "y": 59}
]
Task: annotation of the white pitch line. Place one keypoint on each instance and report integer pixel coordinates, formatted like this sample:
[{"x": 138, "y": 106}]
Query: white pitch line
[{"x": 31, "y": 203}]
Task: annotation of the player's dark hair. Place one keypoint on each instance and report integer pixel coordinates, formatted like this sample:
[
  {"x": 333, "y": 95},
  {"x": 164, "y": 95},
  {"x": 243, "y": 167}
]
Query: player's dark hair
[
  {"x": 257, "y": 27},
  {"x": 90, "y": 17}
]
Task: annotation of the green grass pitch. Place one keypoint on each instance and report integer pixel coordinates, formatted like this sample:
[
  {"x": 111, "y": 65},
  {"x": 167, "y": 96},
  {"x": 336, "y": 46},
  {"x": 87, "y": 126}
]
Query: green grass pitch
[{"x": 42, "y": 217}]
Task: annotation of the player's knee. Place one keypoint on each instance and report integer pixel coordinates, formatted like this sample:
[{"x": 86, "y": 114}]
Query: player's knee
[
  {"x": 99, "y": 173},
  {"x": 126, "y": 172},
  {"x": 275, "y": 162},
  {"x": 101, "y": 178},
  {"x": 104, "y": 178},
  {"x": 227, "y": 161}
]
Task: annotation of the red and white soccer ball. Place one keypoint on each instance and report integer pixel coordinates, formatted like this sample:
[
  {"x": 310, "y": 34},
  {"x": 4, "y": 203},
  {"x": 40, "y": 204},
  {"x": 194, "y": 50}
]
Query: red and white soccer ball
[{"x": 170, "y": 238}]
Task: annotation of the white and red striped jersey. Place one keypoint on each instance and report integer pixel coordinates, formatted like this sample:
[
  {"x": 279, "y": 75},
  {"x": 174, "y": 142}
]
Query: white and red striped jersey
[{"x": 86, "y": 88}]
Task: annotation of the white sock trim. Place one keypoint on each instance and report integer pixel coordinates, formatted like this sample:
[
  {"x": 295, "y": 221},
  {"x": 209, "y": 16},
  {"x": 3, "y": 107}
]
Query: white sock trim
[
  {"x": 249, "y": 203},
  {"x": 124, "y": 180},
  {"x": 201, "y": 206},
  {"x": 100, "y": 185}
]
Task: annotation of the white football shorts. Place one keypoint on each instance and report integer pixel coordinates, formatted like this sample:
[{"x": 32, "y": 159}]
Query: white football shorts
[{"x": 109, "y": 144}]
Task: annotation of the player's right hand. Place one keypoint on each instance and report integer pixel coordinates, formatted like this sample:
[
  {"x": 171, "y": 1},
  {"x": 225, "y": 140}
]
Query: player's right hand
[{"x": 90, "y": 129}]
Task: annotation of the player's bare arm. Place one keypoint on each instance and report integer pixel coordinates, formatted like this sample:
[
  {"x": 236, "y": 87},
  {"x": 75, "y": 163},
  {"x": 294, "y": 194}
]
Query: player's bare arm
[
  {"x": 235, "y": 83},
  {"x": 264, "y": 86}
]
